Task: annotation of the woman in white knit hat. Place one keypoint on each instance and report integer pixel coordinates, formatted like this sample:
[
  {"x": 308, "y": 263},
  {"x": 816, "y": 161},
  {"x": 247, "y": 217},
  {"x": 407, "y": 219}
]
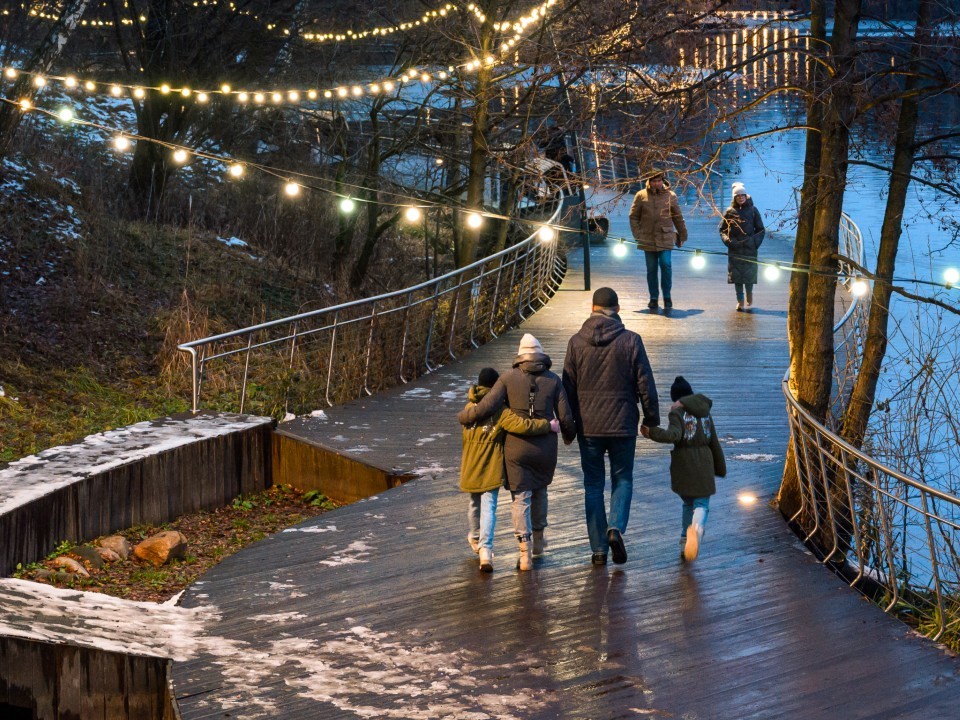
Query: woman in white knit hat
[
  {"x": 531, "y": 390},
  {"x": 742, "y": 231}
]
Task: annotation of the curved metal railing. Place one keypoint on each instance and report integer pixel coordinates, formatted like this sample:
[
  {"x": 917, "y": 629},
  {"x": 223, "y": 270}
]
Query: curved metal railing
[
  {"x": 898, "y": 538},
  {"x": 339, "y": 353}
]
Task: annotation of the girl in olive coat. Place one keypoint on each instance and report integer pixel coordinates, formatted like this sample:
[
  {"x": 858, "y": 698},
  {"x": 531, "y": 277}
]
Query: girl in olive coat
[
  {"x": 482, "y": 468},
  {"x": 694, "y": 461},
  {"x": 742, "y": 231}
]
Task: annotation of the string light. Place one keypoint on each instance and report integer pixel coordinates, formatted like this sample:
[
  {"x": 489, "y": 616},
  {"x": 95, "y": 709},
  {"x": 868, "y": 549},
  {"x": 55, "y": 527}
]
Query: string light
[
  {"x": 121, "y": 143},
  {"x": 951, "y": 276},
  {"x": 236, "y": 170},
  {"x": 546, "y": 234},
  {"x": 412, "y": 214},
  {"x": 474, "y": 220},
  {"x": 347, "y": 205},
  {"x": 180, "y": 156},
  {"x": 65, "y": 114},
  {"x": 772, "y": 272},
  {"x": 698, "y": 261},
  {"x": 292, "y": 189},
  {"x": 859, "y": 287},
  {"x": 620, "y": 249}
]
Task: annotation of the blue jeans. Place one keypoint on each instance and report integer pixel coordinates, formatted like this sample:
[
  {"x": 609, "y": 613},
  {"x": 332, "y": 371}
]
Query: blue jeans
[
  {"x": 662, "y": 260},
  {"x": 739, "y": 287},
  {"x": 528, "y": 512},
  {"x": 621, "y": 451},
  {"x": 482, "y": 516},
  {"x": 689, "y": 505}
]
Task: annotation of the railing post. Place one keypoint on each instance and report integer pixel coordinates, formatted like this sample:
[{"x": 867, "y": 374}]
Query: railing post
[
  {"x": 406, "y": 332},
  {"x": 246, "y": 370},
  {"x": 366, "y": 368},
  {"x": 194, "y": 379},
  {"x": 433, "y": 319},
  {"x": 934, "y": 566},
  {"x": 333, "y": 348},
  {"x": 496, "y": 295}
]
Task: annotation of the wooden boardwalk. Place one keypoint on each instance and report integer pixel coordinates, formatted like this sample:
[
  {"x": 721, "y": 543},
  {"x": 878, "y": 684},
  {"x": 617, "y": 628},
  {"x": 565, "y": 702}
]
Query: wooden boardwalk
[{"x": 377, "y": 610}]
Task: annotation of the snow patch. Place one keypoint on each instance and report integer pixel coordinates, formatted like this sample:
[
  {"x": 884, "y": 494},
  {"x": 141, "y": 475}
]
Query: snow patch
[
  {"x": 755, "y": 457},
  {"x": 356, "y": 552},
  {"x": 740, "y": 441}
]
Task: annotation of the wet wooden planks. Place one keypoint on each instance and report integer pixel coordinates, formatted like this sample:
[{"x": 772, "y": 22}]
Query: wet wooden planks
[{"x": 378, "y": 610}]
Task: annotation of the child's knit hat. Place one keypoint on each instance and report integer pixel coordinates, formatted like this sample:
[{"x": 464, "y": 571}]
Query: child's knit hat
[
  {"x": 680, "y": 388},
  {"x": 488, "y": 377}
]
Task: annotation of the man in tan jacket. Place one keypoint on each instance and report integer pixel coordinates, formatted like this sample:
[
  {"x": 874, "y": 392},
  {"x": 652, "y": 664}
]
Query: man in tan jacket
[{"x": 657, "y": 225}]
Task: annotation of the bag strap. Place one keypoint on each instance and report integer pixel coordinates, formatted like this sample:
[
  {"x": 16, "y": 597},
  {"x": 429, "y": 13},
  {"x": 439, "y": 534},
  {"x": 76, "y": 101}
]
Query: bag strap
[{"x": 532, "y": 395}]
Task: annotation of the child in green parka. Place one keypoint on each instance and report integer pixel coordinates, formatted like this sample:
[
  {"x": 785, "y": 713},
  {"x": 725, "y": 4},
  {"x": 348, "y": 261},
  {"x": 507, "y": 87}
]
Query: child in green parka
[
  {"x": 695, "y": 460},
  {"x": 482, "y": 468}
]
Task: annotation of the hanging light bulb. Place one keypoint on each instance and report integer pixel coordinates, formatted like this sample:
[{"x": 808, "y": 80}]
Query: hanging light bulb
[
  {"x": 202, "y": 98},
  {"x": 412, "y": 214},
  {"x": 139, "y": 93},
  {"x": 772, "y": 272},
  {"x": 39, "y": 81},
  {"x": 115, "y": 90},
  {"x": 474, "y": 220},
  {"x": 89, "y": 86},
  {"x": 26, "y": 104},
  {"x": 70, "y": 82},
  {"x": 10, "y": 73},
  {"x": 951, "y": 276},
  {"x": 859, "y": 287},
  {"x": 121, "y": 143},
  {"x": 347, "y": 205},
  {"x": 546, "y": 234},
  {"x": 165, "y": 89},
  {"x": 620, "y": 249},
  {"x": 225, "y": 89},
  {"x": 180, "y": 156},
  {"x": 243, "y": 97},
  {"x": 258, "y": 98},
  {"x": 65, "y": 115},
  {"x": 698, "y": 261},
  {"x": 291, "y": 189},
  {"x": 185, "y": 92},
  {"x": 236, "y": 170}
]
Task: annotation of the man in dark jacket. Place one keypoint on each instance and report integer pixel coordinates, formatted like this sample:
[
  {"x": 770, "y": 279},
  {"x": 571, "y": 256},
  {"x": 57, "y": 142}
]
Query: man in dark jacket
[{"x": 606, "y": 373}]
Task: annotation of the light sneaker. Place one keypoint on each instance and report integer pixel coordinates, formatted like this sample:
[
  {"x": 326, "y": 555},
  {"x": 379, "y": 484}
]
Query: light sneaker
[
  {"x": 486, "y": 560},
  {"x": 691, "y": 547},
  {"x": 539, "y": 543},
  {"x": 525, "y": 562},
  {"x": 474, "y": 542},
  {"x": 739, "y": 306}
]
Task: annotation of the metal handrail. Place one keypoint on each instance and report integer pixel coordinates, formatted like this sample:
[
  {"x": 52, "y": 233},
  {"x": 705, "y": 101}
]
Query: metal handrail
[
  {"x": 898, "y": 538},
  {"x": 356, "y": 348}
]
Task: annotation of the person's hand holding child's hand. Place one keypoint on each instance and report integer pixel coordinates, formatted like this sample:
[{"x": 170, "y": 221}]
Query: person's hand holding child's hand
[
  {"x": 555, "y": 425},
  {"x": 645, "y": 431}
]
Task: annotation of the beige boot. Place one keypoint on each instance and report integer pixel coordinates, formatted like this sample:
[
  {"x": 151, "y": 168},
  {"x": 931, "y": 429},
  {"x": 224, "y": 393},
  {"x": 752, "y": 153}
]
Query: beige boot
[
  {"x": 486, "y": 560},
  {"x": 526, "y": 556},
  {"x": 539, "y": 543}
]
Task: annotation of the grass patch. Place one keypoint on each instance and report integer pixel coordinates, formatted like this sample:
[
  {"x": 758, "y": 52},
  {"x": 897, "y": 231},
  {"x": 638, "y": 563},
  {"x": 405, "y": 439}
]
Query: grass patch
[{"x": 211, "y": 536}]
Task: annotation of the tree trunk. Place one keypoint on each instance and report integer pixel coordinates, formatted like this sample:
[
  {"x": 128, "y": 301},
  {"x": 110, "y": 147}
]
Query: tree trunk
[
  {"x": 39, "y": 64},
  {"x": 857, "y": 414},
  {"x": 789, "y": 498},
  {"x": 477, "y": 164}
]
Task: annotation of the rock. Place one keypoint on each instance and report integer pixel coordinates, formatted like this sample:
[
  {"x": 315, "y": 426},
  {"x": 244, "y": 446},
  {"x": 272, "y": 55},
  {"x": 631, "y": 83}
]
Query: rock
[
  {"x": 162, "y": 548},
  {"x": 118, "y": 544},
  {"x": 70, "y": 565},
  {"x": 89, "y": 554},
  {"x": 108, "y": 555}
]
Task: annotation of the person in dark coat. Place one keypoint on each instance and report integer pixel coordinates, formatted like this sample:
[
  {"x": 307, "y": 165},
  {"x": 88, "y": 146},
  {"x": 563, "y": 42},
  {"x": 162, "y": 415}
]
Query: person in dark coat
[
  {"x": 694, "y": 461},
  {"x": 606, "y": 373},
  {"x": 532, "y": 391},
  {"x": 742, "y": 231},
  {"x": 658, "y": 225}
]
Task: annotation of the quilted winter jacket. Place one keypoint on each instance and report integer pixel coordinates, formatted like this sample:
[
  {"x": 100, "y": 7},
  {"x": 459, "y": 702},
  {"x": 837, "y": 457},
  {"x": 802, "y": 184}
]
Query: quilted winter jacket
[
  {"x": 530, "y": 459},
  {"x": 606, "y": 373},
  {"x": 696, "y": 456},
  {"x": 656, "y": 221},
  {"x": 481, "y": 466},
  {"x": 742, "y": 231}
]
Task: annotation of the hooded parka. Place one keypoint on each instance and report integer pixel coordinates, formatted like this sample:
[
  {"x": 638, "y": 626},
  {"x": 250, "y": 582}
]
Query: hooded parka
[
  {"x": 742, "y": 231},
  {"x": 481, "y": 466},
  {"x": 530, "y": 460},
  {"x": 655, "y": 219},
  {"x": 606, "y": 373},
  {"x": 696, "y": 456}
]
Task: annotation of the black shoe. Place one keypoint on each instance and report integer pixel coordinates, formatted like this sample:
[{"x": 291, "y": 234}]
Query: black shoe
[
  {"x": 653, "y": 304},
  {"x": 615, "y": 541},
  {"x": 599, "y": 558},
  {"x": 667, "y": 303}
]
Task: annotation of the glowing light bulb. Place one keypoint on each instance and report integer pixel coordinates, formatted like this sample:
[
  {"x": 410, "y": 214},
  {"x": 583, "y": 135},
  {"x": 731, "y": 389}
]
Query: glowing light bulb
[
  {"x": 546, "y": 234},
  {"x": 312, "y": 94},
  {"x": 698, "y": 261},
  {"x": 388, "y": 86},
  {"x": 39, "y": 81},
  {"x": 620, "y": 250},
  {"x": 10, "y": 73},
  {"x": 243, "y": 97},
  {"x": 165, "y": 89},
  {"x": 347, "y": 205},
  {"x": 236, "y": 170},
  {"x": 115, "y": 90},
  {"x": 439, "y": 161},
  {"x": 357, "y": 90},
  {"x": 121, "y": 143},
  {"x": 951, "y": 276},
  {"x": 258, "y": 98},
  {"x": 202, "y": 98},
  {"x": 185, "y": 92},
  {"x": 412, "y": 214},
  {"x": 139, "y": 93},
  {"x": 180, "y": 156},
  {"x": 65, "y": 115},
  {"x": 859, "y": 288},
  {"x": 25, "y": 104},
  {"x": 293, "y": 96},
  {"x": 276, "y": 97},
  {"x": 327, "y": 94},
  {"x": 89, "y": 86},
  {"x": 225, "y": 89},
  {"x": 291, "y": 189},
  {"x": 70, "y": 82},
  {"x": 771, "y": 273},
  {"x": 341, "y": 92},
  {"x": 474, "y": 220}
]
